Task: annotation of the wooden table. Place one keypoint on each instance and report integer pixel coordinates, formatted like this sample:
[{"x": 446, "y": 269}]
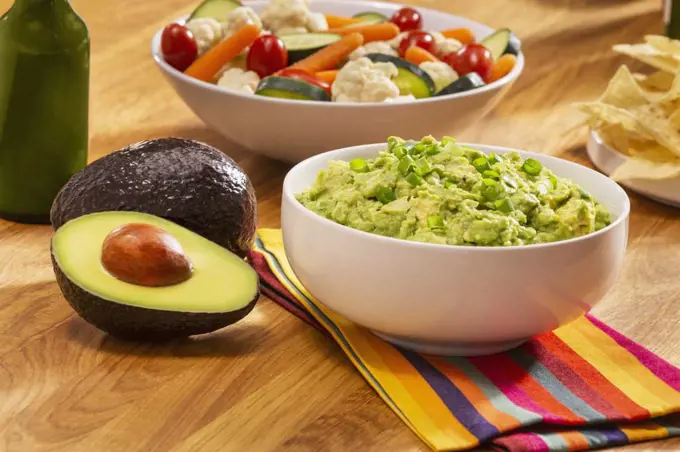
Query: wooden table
[{"x": 271, "y": 382}]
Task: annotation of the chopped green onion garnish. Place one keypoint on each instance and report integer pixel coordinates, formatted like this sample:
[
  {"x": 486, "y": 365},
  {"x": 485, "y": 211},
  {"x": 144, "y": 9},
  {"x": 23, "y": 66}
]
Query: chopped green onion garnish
[
  {"x": 505, "y": 205},
  {"x": 385, "y": 195},
  {"x": 553, "y": 179},
  {"x": 532, "y": 167},
  {"x": 432, "y": 150},
  {"x": 405, "y": 165},
  {"x": 394, "y": 143},
  {"x": 449, "y": 183},
  {"x": 584, "y": 194},
  {"x": 482, "y": 164},
  {"x": 400, "y": 152},
  {"x": 493, "y": 159},
  {"x": 418, "y": 148},
  {"x": 435, "y": 222},
  {"x": 491, "y": 174},
  {"x": 510, "y": 181},
  {"x": 490, "y": 190},
  {"x": 414, "y": 179},
  {"x": 422, "y": 167},
  {"x": 359, "y": 166}
]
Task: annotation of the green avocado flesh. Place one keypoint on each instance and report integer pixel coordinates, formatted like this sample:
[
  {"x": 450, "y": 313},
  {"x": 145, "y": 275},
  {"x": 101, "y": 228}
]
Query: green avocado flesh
[
  {"x": 221, "y": 281},
  {"x": 449, "y": 194}
]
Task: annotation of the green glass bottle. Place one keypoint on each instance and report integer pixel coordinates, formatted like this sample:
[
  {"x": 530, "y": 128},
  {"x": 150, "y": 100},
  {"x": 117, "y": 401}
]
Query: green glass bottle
[
  {"x": 671, "y": 18},
  {"x": 44, "y": 105}
]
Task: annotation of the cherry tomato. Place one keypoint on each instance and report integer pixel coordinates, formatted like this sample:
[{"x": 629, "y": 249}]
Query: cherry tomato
[
  {"x": 305, "y": 77},
  {"x": 178, "y": 46},
  {"x": 417, "y": 38},
  {"x": 407, "y": 19},
  {"x": 267, "y": 55},
  {"x": 471, "y": 58}
]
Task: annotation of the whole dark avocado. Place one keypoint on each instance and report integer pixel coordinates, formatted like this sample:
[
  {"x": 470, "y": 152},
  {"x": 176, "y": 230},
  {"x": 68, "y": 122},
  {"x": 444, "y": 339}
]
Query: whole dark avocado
[{"x": 185, "y": 181}]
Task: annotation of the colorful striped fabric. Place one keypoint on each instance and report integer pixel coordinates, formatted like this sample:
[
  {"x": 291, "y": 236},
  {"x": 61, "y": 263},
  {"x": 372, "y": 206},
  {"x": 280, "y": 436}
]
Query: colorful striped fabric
[{"x": 583, "y": 386}]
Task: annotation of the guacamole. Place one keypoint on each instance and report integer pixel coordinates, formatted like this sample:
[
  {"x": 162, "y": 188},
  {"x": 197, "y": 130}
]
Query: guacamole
[{"x": 444, "y": 193}]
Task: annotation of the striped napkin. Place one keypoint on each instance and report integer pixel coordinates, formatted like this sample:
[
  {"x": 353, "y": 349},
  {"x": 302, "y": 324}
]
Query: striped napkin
[{"x": 583, "y": 386}]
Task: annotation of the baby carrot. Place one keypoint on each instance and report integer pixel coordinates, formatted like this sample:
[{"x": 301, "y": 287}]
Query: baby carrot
[
  {"x": 417, "y": 55},
  {"x": 502, "y": 67},
  {"x": 209, "y": 64},
  {"x": 330, "y": 56},
  {"x": 339, "y": 21},
  {"x": 327, "y": 76},
  {"x": 372, "y": 32},
  {"x": 464, "y": 35}
]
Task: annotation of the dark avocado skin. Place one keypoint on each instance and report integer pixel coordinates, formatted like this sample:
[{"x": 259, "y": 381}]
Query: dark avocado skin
[
  {"x": 184, "y": 181},
  {"x": 142, "y": 324}
]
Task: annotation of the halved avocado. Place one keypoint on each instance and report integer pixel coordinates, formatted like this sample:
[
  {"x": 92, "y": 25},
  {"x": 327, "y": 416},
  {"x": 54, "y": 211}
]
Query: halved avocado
[
  {"x": 217, "y": 287},
  {"x": 411, "y": 79},
  {"x": 185, "y": 181}
]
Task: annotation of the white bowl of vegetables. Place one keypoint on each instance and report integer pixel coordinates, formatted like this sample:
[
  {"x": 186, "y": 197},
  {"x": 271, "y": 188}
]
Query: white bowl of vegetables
[{"x": 292, "y": 78}]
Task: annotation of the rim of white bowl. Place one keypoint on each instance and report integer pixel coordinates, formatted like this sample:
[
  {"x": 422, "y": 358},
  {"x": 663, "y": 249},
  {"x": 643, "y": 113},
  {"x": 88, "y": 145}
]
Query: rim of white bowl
[
  {"x": 509, "y": 78},
  {"x": 287, "y": 193}
]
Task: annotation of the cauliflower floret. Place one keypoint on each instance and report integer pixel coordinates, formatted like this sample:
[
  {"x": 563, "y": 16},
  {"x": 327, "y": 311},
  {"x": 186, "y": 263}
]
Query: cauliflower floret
[
  {"x": 291, "y": 31},
  {"x": 207, "y": 32},
  {"x": 362, "y": 80},
  {"x": 281, "y": 15},
  {"x": 443, "y": 45},
  {"x": 442, "y": 74},
  {"x": 243, "y": 15},
  {"x": 383, "y": 47},
  {"x": 239, "y": 80},
  {"x": 316, "y": 22},
  {"x": 292, "y": 16}
]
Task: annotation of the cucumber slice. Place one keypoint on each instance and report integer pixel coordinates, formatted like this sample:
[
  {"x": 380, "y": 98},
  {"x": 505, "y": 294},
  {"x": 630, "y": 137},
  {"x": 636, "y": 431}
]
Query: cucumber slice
[
  {"x": 411, "y": 79},
  {"x": 370, "y": 17},
  {"x": 464, "y": 83},
  {"x": 290, "y": 88},
  {"x": 301, "y": 45},
  {"x": 501, "y": 42},
  {"x": 215, "y": 9}
]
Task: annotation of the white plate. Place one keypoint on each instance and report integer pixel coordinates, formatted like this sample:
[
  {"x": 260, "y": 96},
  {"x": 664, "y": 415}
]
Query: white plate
[{"x": 607, "y": 160}]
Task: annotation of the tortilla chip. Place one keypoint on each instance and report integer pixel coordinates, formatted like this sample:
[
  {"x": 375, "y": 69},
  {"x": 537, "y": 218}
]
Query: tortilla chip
[
  {"x": 638, "y": 167},
  {"x": 623, "y": 91},
  {"x": 648, "y": 54},
  {"x": 614, "y": 136},
  {"x": 663, "y": 44},
  {"x": 600, "y": 114},
  {"x": 657, "y": 81},
  {"x": 639, "y": 115},
  {"x": 659, "y": 126}
]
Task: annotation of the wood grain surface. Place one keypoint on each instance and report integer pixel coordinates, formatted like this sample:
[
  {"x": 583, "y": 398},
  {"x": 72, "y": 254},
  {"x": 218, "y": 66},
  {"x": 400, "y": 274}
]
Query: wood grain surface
[{"x": 272, "y": 383}]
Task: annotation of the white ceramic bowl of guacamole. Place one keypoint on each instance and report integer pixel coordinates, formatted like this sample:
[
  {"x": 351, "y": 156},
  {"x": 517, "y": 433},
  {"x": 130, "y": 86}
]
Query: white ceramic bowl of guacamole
[
  {"x": 448, "y": 299},
  {"x": 293, "y": 130}
]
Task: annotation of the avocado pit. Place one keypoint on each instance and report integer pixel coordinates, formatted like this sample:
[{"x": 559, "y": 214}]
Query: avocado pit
[{"x": 145, "y": 255}]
